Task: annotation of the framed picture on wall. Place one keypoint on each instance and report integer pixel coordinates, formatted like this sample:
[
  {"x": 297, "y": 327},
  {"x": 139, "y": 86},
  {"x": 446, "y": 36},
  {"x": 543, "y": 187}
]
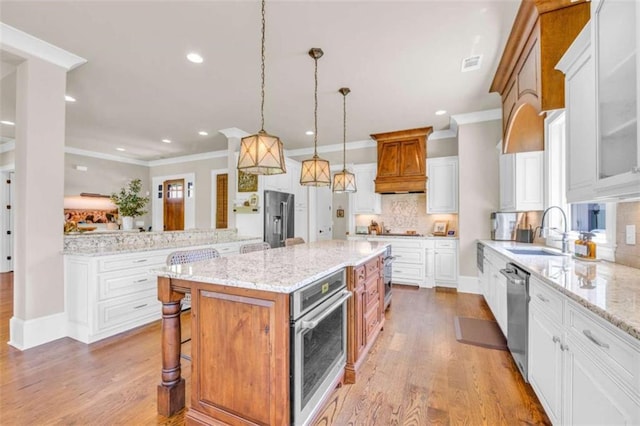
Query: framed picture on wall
[
  {"x": 247, "y": 182},
  {"x": 440, "y": 228}
]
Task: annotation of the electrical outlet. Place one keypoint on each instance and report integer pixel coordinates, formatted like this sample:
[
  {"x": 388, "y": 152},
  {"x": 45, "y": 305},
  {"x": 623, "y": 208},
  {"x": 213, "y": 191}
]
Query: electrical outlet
[{"x": 631, "y": 235}]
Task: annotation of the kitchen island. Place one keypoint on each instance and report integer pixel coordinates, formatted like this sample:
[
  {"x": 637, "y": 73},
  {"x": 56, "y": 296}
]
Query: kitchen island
[{"x": 241, "y": 335}]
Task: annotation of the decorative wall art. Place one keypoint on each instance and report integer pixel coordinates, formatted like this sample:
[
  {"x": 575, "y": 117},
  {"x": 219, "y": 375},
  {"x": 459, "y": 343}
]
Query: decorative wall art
[{"x": 247, "y": 182}]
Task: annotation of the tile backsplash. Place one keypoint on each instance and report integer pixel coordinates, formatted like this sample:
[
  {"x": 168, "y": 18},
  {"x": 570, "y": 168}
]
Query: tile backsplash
[
  {"x": 407, "y": 212},
  {"x": 627, "y": 214}
]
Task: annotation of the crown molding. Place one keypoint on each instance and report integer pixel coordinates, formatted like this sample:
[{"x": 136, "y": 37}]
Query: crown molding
[
  {"x": 8, "y": 168},
  {"x": 9, "y": 145},
  {"x": 102, "y": 156},
  {"x": 188, "y": 158},
  {"x": 331, "y": 148},
  {"x": 14, "y": 40},
  {"x": 477, "y": 116},
  {"x": 234, "y": 132}
]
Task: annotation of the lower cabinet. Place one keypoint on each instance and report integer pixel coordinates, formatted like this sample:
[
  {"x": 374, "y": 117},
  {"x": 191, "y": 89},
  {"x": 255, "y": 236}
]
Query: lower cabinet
[
  {"x": 495, "y": 288},
  {"x": 583, "y": 370},
  {"x": 365, "y": 312},
  {"x": 445, "y": 263}
]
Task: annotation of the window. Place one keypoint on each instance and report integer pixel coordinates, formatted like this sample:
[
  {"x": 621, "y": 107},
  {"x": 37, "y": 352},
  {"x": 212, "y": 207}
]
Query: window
[{"x": 594, "y": 217}]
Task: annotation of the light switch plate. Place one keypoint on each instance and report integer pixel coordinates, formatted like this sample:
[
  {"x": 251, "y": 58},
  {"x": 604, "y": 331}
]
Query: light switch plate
[{"x": 631, "y": 235}]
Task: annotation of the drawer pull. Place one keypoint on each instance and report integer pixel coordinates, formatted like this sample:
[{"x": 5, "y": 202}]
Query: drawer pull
[
  {"x": 541, "y": 297},
  {"x": 556, "y": 339},
  {"x": 140, "y": 306},
  {"x": 142, "y": 280},
  {"x": 594, "y": 339},
  {"x": 140, "y": 261}
]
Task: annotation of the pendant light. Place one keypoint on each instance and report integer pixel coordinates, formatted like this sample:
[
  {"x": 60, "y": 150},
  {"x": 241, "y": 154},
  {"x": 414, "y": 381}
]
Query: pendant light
[
  {"x": 315, "y": 171},
  {"x": 261, "y": 153},
  {"x": 344, "y": 181}
]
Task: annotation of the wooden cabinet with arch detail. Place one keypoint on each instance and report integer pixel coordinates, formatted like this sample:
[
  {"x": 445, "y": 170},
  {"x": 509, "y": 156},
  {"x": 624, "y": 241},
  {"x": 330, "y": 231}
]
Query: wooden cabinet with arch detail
[{"x": 526, "y": 77}]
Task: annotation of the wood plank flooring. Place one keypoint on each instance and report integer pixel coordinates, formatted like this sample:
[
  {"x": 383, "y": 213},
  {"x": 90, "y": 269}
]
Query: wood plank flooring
[{"x": 416, "y": 374}]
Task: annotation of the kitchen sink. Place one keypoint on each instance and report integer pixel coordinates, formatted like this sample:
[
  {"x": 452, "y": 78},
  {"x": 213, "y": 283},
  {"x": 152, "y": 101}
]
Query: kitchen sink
[{"x": 534, "y": 252}]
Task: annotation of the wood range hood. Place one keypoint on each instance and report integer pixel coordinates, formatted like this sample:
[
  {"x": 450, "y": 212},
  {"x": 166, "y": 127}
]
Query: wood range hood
[{"x": 402, "y": 159}]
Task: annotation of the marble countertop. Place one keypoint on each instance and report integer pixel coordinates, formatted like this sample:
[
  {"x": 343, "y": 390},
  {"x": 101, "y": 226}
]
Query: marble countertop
[
  {"x": 404, "y": 237},
  {"x": 281, "y": 270},
  {"x": 609, "y": 290}
]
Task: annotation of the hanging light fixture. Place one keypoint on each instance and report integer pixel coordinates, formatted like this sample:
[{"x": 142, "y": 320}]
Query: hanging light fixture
[
  {"x": 344, "y": 181},
  {"x": 315, "y": 171},
  {"x": 262, "y": 153}
]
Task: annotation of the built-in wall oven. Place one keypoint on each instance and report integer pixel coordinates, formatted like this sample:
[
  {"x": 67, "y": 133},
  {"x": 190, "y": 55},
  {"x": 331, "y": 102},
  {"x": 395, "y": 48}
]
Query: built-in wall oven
[{"x": 318, "y": 343}]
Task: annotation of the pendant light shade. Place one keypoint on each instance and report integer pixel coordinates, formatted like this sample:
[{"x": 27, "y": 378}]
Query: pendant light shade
[
  {"x": 315, "y": 171},
  {"x": 262, "y": 153},
  {"x": 344, "y": 181}
]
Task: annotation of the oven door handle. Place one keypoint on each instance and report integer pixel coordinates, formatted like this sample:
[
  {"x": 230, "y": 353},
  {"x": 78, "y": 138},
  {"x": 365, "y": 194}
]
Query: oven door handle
[{"x": 312, "y": 323}]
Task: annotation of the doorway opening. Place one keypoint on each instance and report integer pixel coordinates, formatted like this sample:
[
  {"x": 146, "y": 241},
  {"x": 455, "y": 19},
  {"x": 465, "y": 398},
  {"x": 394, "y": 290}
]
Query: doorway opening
[{"x": 173, "y": 206}]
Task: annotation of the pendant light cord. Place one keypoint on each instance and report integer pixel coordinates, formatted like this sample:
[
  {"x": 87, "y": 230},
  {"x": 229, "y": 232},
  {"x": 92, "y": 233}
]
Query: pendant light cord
[
  {"x": 315, "y": 110},
  {"x": 262, "y": 69},
  {"x": 344, "y": 132}
]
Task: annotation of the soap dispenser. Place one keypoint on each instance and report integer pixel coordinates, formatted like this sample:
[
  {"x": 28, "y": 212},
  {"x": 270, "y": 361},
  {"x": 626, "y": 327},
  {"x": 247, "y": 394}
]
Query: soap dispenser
[
  {"x": 590, "y": 245},
  {"x": 580, "y": 247}
]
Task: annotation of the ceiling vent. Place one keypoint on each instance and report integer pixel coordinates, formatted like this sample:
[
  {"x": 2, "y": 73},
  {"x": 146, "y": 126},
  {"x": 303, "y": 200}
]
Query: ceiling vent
[{"x": 471, "y": 63}]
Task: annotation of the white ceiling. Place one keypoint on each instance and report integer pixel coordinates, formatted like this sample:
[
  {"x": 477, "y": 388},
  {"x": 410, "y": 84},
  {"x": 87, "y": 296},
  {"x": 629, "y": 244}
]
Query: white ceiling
[{"x": 401, "y": 60}]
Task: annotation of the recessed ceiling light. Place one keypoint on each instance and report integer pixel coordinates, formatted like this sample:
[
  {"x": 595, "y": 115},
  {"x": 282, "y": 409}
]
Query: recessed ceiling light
[
  {"x": 195, "y": 58},
  {"x": 441, "y": 112},
  {"x": 69, "y": 98},
  {"x": 166, "y": 140},
  {"x": 8, "y": 123},
  {"x": 203, "y": 133},
  {"x": 120, "y": 149},
  {"x": 308, "y": 132}
]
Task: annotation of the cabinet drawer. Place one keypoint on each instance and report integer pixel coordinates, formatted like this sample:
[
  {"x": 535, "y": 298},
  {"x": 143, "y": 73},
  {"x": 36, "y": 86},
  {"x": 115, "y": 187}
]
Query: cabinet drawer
[
  {"x": 146, "y": 259},
  {"x": 406, "y": 270},
  {"x": 445, "y": 244},
  {"x": 546, "y": 299},
  {"x": 371, "y": 321},
  {"x": 618, "y": 355},
  {"x": 372, "y": 293},
  {"x": 372, "y": 267},
  {"x": 121, "y": 284},
  {"x": 405, "y": 244},
  {"x": 409, "y": 256},
  {"x": 116, "y": 312},
  {"x": 359, "y": 276}
]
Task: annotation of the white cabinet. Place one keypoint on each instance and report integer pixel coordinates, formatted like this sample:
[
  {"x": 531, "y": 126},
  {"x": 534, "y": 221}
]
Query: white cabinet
[
  {"x": 583, "y": 369},
  {"x": 365, "y": 199},
  {"x": 445, "y": 263},
  {"x": 522, "y": 181},
  {"x": 282, "y": 182},
  {"x": 442, "y": 185},
  {"x": 429, "y": 266},
  {"x": 496, "y": 291},
  {"x": 580, "y": 103},
  {"x": 409, "y": 263},
  {"x": 616, "y": 40}
]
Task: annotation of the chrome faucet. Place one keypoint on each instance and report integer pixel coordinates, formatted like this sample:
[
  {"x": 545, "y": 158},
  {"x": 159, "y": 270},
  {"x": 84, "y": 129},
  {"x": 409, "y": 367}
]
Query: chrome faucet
[{"x": 565, "y": 234}]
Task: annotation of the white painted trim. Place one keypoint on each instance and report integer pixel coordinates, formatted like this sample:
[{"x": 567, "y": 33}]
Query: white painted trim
[
  {"x": 110, "y": 157},
  {"x": 214, "y": 193},
  {"x": 331, "y": 148},
  {"x": 7, "y": 221},
  {"x": 157, "y": 217},
  {"x": 13, "y": 38},
  {"x": 188, "y": 158},
  {"x": 27, "y": 334},
  {"x": 234, "y": 132},
  {"x": 8, "y": 146},
  {"x": 468, "y": 284},
  {"x": 478, "y": 116},
  {"x": 8, "y": 168},
  {"x": 443, "y": 134}
]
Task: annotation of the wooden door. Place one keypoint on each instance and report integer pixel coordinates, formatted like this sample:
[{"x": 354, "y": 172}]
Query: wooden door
[
  {"x": 174, "y": 205},
  {"x": 222, "y": 199}
]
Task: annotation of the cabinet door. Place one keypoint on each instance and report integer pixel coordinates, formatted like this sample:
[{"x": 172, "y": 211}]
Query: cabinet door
[
  {"x": 442, "y": 185},
  {"x": 366, "y": 201},
  {"x": 446, "y": 265},
  {"x": 545, "y": 362},
  {"x": 530, "y": 180},
  {"x": 500, "y": 299},
  {"x": 591, "y": 395},
  {"x": 616, "y": 44},
  {"x": 507, "y": 182},
  {"x": 360, "y": 324}
]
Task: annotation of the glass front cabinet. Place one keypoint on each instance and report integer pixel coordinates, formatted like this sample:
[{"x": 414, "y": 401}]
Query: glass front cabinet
[{"x": 616, "y": 41}]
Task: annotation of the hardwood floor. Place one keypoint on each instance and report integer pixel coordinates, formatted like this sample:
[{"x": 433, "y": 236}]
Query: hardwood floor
[{"x": 416, "y": 374}]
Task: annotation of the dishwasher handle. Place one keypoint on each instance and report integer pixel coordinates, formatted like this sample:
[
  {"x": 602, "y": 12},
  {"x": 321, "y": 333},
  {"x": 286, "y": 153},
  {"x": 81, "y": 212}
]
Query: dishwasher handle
[{"x": 512, "y": 276}]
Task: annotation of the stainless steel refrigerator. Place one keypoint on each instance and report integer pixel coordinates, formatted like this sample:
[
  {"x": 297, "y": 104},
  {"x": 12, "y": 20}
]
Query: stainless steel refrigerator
[{"x": 279, "y": 210}]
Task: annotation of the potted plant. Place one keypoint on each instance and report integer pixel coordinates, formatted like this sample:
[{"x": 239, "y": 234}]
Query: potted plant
[{"x": 130, "y": 203}]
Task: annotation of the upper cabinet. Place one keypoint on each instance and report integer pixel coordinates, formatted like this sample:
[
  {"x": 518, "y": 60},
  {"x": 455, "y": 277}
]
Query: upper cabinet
[
  {"x": 442, "y": 185},
  {"x": 365, "y": 199},
  {"x": 616, "y": 41},
  {"x": 401, "y": 160},
  {"x": 526, "y": 78},
  {"x": 522, "y": 181}
]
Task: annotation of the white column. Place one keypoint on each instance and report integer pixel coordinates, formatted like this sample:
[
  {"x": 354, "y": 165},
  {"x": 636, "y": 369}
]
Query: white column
[{"x": 234, "y": 135}]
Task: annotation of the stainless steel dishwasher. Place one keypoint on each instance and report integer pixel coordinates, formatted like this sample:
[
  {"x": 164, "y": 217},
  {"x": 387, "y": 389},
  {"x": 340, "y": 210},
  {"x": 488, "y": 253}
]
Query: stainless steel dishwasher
[{"x": 517, "y": 315}]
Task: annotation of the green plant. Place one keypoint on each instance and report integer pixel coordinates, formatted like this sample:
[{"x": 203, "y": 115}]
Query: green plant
[{"x": 129, "y": 200}]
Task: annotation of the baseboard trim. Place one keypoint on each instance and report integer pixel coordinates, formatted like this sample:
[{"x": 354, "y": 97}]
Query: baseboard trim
[
  {"x": 468, "y": 284},
  {"x": 26, "y": 334}
]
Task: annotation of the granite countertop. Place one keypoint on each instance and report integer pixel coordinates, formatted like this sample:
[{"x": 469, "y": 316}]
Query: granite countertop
[
  {"x": 404, "y": 236},
  {"x": 609, "y": 290},
  {"x": 280, "y": 270}
]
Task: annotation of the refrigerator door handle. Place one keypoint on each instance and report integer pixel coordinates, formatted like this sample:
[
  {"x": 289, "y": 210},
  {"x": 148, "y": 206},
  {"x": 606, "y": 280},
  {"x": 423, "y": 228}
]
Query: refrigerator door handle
[{"x": 285, "y": 219}]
